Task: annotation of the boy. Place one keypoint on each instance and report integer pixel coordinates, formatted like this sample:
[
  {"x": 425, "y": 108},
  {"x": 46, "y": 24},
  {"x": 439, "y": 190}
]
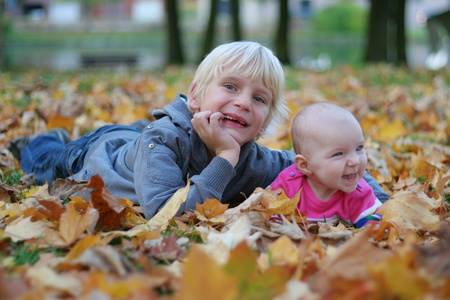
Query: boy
[
  {"x": 207, "y": 138},
  {"x": 329, "y": 165}
]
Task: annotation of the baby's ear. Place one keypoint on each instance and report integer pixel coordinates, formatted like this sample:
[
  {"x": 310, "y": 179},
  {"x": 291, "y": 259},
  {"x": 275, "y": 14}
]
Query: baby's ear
[{"x": 302, "y": 164}]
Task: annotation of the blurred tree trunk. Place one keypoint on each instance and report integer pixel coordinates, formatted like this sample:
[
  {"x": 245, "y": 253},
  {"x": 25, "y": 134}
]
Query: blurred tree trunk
[
  {"x": 210, "y": 30},
  {"x": 235, "y": 12},
  {"x": 175, "y": 51},
  {"x": 400, "y": 36},
  {"x": 2, "y": 30},
  {"x": 386, "y": 41},
  {"x": 282, "y": 38}
]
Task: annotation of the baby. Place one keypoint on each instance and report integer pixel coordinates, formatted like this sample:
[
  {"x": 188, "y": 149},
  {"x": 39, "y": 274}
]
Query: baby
[{"x": 328, "y": 167}]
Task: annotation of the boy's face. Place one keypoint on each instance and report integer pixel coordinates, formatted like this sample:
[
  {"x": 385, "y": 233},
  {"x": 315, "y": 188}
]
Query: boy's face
[
  {"x": 336, "y": 157},
  {"x": 244, "y": 105}
]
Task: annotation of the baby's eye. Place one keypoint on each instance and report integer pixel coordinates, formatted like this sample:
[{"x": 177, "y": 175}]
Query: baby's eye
[
  {"x": 360, "y": 148},
  {"x": 337, "y": 154}
]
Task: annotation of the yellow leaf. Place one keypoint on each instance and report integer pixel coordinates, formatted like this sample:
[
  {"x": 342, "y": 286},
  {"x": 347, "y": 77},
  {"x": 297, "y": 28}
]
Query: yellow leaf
[
  {"x": 204, "y": 279},
  {"x": 398, "y": 279},
  {"x": 390, "y": 130},
  {"x": 162, "y": 218},
  {"x": 283, "y": 251},
  {"x": 409, "y": 210}
]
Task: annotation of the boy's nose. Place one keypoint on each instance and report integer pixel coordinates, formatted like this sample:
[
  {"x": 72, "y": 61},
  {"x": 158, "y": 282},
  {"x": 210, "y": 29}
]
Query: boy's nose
[{"x": 243, "y": 102}]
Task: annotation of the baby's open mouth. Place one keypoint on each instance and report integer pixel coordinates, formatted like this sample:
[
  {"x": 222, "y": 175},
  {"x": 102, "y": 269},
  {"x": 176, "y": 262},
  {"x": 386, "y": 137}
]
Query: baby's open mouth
[
  {"x": 234, "y": 120},
  {"x": 350, "y": 177}
]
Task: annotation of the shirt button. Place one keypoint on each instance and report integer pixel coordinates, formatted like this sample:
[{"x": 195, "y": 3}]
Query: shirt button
[
  {"x": 149, "y": 126},
  {"x": 292, "y": 174},
  {"x": 151, "y": 146}
]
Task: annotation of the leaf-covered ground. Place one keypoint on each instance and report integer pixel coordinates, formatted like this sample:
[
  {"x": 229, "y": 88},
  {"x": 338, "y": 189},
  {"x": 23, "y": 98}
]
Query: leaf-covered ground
[{"x": 55, "y": 245}]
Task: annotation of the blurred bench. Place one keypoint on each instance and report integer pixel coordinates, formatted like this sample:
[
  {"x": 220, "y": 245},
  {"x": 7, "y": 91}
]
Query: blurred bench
[{"x": 106, "y": 60}]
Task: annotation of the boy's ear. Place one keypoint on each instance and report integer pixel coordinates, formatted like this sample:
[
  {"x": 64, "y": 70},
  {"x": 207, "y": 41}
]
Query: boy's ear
[
  {"x": 261, "y": 131},
  {"x": 193, "y": 101},
  {"x": 302, "y": 164}
]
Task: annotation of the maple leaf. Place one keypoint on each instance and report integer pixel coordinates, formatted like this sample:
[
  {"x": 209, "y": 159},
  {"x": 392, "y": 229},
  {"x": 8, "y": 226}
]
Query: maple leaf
[
  {"x": 204, "y": 278},
  {"x": 24, "y": 229},
  {"x": 409, "y": 210},
  {"x": 234, "y": 233},
  {"x": 60, "y": 121},
  {"x": 211, "y": 212},
  {"x": 45, "y": 278},
  {"x": 347, "y": 266},
  {"x": 8, "y": 193},
  {"x": 72, "y": 224},
  {"x": 255, "y": 283},
  {"x": 112, "y": 213},
  {"x": 275, "y": 202},
  {"x": 211, "y": 208},
  {"x": 87, "y": 241}
]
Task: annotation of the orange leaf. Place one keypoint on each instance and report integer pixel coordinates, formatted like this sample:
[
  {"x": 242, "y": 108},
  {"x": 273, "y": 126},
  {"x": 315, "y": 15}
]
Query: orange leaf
[
  {"x": 211, "y": 208},
  {"x": 60, "y": 121},
  {"x": 86, "y": 242}
]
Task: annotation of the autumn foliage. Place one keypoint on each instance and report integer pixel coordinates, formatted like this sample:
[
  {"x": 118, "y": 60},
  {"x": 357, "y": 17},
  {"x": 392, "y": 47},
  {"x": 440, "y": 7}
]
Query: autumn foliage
[{"x": 76, "y": 240}]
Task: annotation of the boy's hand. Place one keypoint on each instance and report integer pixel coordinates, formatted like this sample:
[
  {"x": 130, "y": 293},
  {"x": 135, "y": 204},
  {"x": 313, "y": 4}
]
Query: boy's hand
[{"x": 217, "y": 140}]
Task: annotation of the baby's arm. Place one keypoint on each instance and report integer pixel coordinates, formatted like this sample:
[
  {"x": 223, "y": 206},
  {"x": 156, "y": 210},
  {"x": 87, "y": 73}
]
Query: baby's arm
[
  {"x": 364, "y": 206},
  {"x": 162, "y": 166}
]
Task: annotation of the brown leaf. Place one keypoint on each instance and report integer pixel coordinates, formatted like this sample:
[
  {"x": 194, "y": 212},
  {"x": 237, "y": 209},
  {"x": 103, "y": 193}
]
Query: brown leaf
[
  {"x": 63, "y": 188},
  {"x": 112, "y": 213}
]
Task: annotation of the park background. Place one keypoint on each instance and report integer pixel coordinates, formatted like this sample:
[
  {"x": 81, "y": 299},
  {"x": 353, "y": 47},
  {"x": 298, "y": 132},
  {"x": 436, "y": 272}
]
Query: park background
[
  {"x": 87, "y": 64},
  {"x": 149, "y": 34}
]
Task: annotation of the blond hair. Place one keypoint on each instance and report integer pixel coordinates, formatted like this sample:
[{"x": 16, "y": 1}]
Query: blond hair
[{"x": 248, "y": 59}]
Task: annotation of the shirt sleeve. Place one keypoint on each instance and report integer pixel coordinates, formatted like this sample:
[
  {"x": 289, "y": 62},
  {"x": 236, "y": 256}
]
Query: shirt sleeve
[
  {"x": 160, "y": 171},
  {"x": 364, "y": 205}
]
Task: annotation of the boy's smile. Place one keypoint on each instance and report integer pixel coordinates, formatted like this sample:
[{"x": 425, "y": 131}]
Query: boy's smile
[{"x": 243, "y": 105}]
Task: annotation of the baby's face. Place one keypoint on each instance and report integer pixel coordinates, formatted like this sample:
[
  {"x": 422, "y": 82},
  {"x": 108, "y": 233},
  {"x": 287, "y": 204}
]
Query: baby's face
[
  {"x": 244, "y": 105},
  {"x": 336, "y": 155}
]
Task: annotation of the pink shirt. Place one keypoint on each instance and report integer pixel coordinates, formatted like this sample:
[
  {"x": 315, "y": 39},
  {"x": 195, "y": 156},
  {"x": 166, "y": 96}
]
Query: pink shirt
[{"x": 351, "y": 207}]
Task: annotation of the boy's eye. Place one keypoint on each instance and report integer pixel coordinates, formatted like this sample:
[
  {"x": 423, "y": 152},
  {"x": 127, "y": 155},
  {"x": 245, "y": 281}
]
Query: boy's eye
[
  {"x": 360, "y": 148},
  {"x": 259, "y": 99},
  {"x": 337, "y": 154},
  {"x": 229, "y": 87}
]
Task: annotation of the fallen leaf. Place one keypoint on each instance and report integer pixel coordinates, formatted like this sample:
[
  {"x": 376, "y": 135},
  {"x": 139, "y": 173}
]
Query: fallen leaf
[
  {"x": 409, "y": 210},
  {"x": 162, "y": 218},
  {"x": 204, "y": 279}
]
